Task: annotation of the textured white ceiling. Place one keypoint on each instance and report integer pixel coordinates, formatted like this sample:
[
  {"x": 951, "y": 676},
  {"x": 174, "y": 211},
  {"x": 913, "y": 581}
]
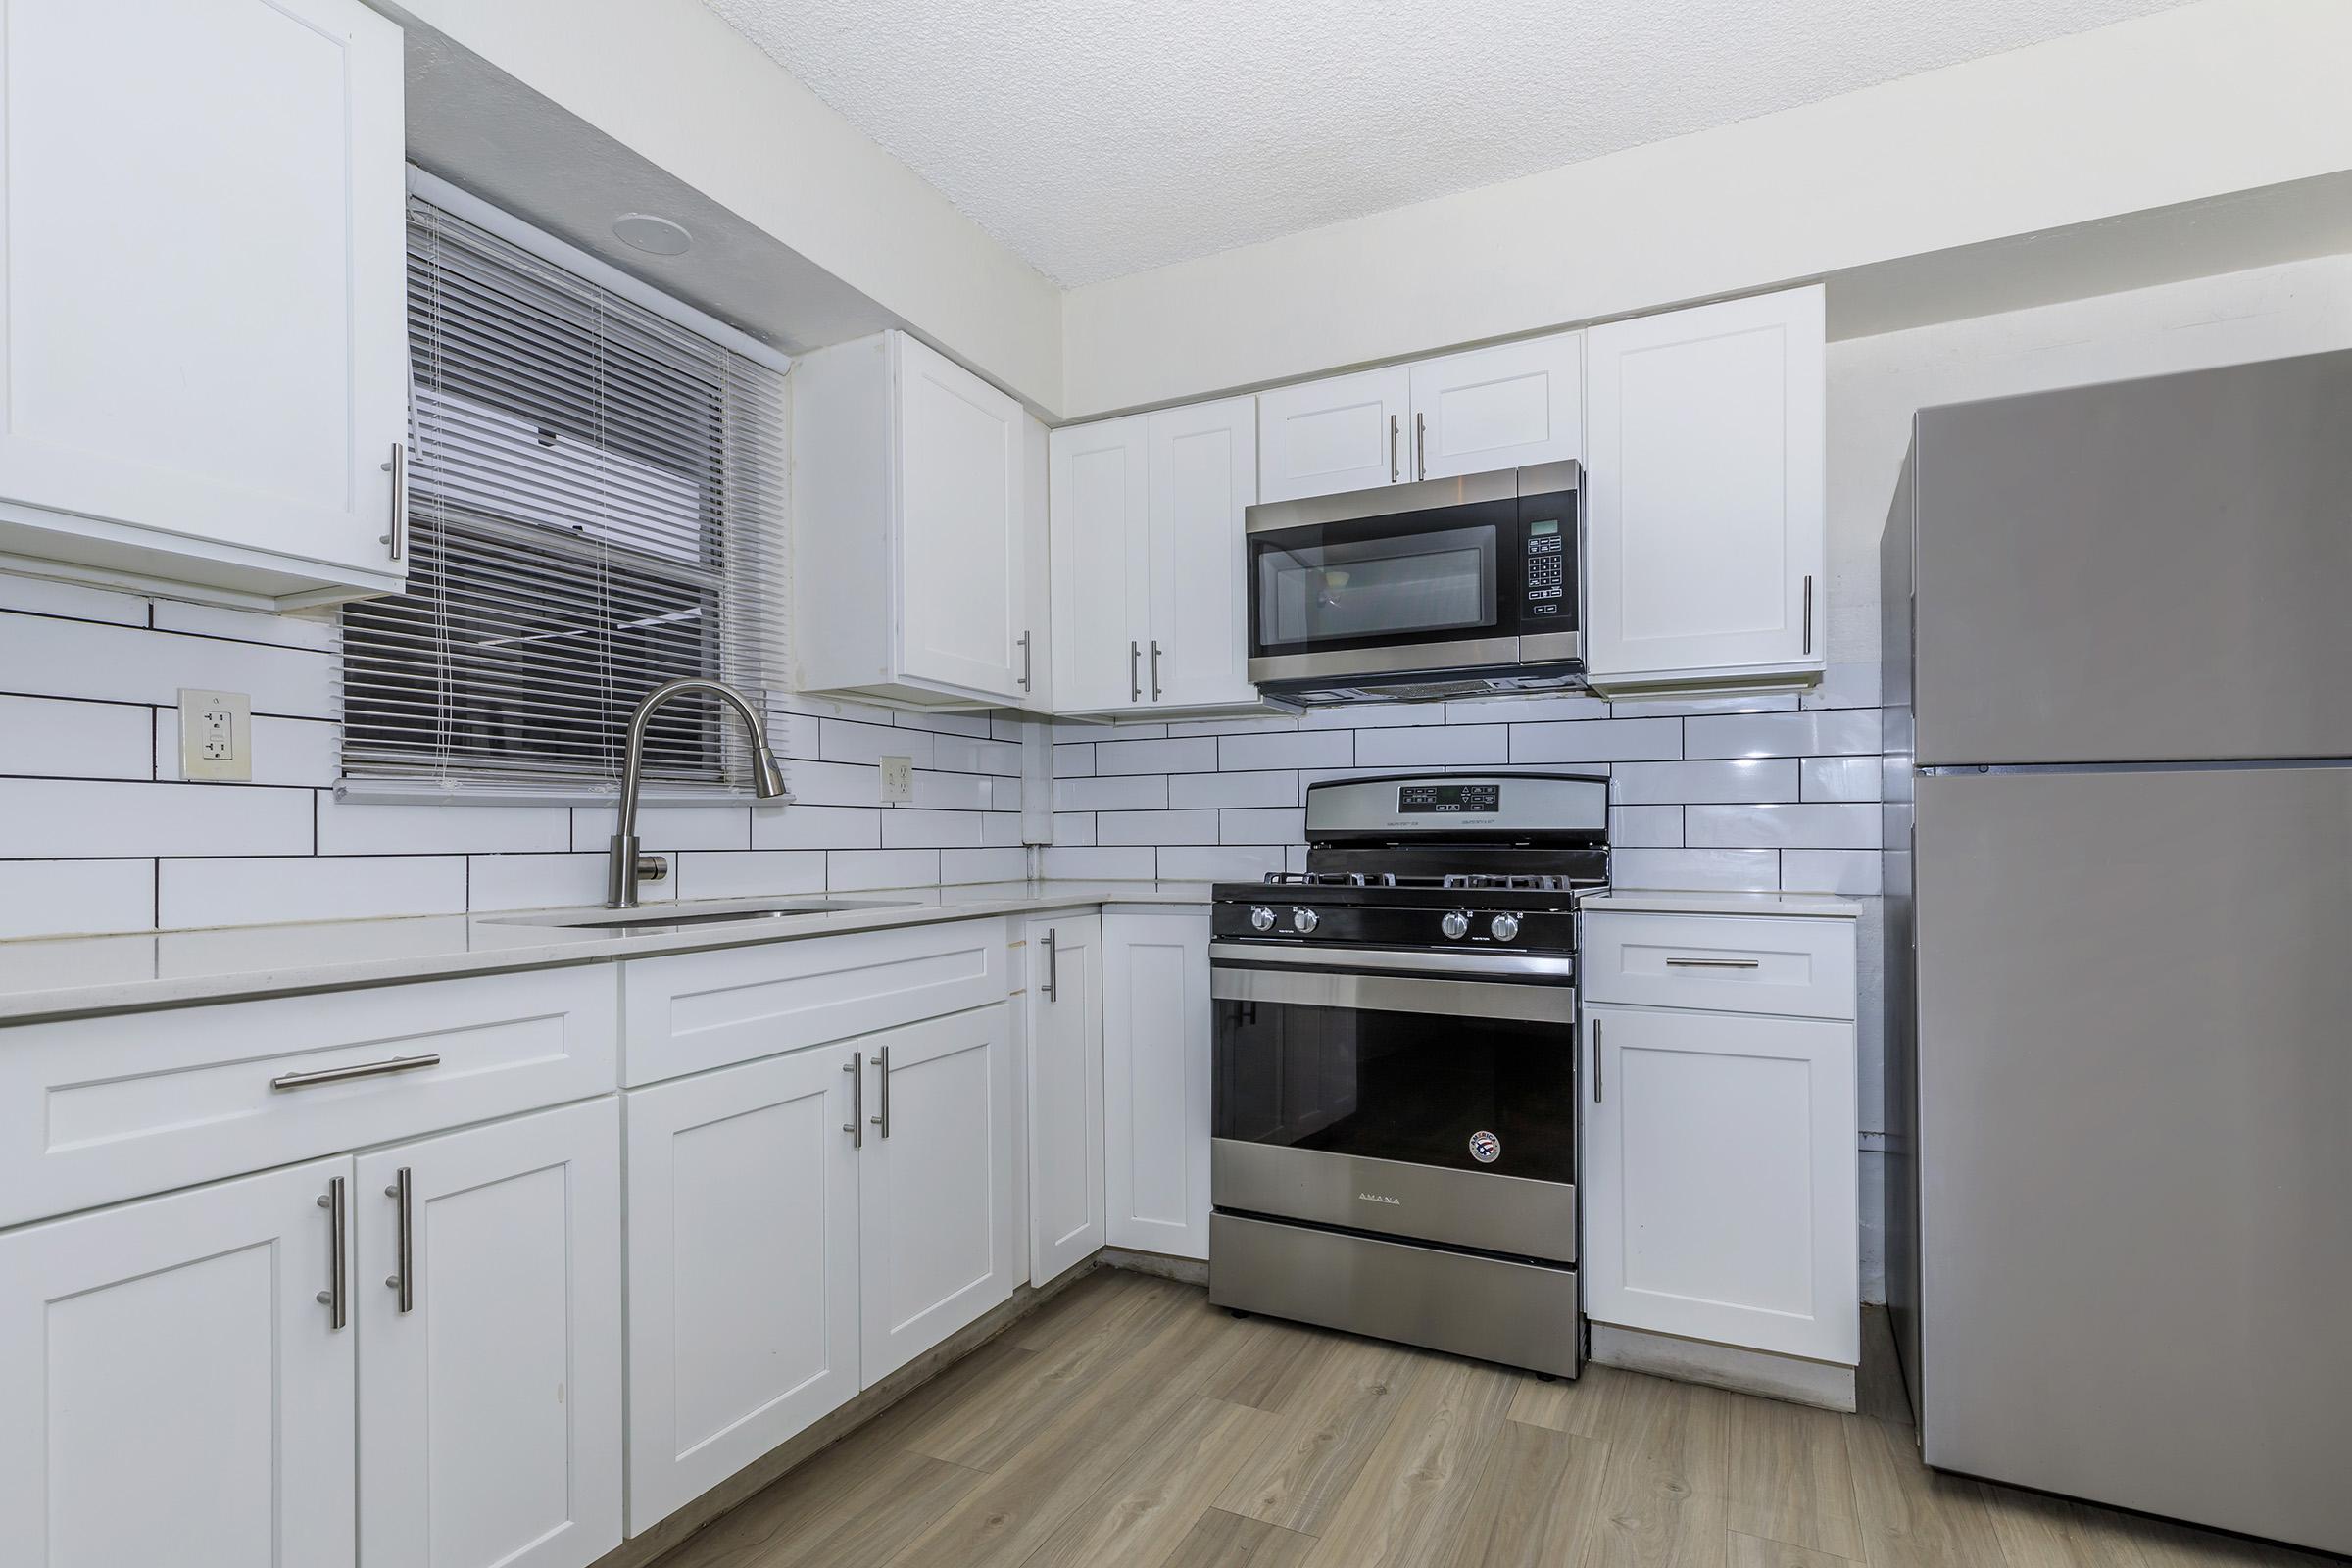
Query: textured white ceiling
[{"x": 1100, "y": 137}]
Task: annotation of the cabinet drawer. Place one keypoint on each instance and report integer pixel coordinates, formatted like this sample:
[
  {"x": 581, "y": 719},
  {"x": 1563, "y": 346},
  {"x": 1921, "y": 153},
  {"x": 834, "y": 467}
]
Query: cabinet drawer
[
  {"x": 696, "y": 1010},
  {"x": 97, "y": 1110},
  {"x": 1725, "y": 963}
]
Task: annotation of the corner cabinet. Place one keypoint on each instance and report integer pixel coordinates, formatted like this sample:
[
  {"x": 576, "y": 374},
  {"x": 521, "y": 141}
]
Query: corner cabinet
[
  {"x": 1157, "y": 1046},
  {"x": 203, "y": 343},
  {"x": 1703, "y": 532},
  {"x": 914, "y": 531},
  {"x": 1149, "y": 598}
]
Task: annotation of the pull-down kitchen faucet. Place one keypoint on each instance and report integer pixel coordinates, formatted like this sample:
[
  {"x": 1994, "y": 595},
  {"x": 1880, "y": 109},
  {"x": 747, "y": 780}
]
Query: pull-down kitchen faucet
[{"x": 767, "y": 779}]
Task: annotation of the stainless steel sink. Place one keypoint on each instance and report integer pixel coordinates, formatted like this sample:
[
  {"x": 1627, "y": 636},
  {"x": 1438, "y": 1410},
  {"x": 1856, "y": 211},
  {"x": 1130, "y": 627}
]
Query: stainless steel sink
[{"x": 644, "y": 919}]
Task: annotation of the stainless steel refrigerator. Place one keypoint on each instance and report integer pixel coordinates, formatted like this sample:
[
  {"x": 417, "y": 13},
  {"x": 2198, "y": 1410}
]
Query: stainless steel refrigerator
[{"x": 2118, "y": 869}]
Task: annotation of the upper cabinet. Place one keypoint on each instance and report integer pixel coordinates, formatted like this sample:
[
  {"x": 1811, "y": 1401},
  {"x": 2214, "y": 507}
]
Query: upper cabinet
[
  {"x": 1703, "y": 549},
  {"x": 1498, "y": 407},
  {"x": 1149, "y": 603},
  {"x": 913, "y": 530},
  {"x": 203, "y": 340}
]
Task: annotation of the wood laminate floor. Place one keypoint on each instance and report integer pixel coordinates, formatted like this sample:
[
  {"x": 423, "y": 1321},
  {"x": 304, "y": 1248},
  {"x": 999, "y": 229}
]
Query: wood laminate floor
[{"x": 1130, "y": 1425}]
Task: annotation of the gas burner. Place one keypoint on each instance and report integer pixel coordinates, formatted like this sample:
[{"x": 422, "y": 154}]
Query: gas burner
[
  {"x": 1333, "y": 879},
  {"x": 1485, "y": 880}
]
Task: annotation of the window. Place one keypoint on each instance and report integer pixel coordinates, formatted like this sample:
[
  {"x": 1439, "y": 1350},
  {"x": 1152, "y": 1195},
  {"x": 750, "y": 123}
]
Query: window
[{"x": 595, "y": 505}]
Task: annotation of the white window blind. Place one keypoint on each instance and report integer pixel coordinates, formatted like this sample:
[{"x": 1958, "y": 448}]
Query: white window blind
[{"x": 595, "y": 505}]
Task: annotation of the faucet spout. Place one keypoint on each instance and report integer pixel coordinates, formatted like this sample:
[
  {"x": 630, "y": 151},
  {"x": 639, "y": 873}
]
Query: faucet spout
[{"x": 767, "y": 776}]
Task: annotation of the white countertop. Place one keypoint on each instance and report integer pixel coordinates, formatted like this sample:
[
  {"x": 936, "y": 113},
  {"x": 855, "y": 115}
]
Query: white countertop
[
  {"x": 1666, "y": 900},
  {"x": 62, "y": 976}
]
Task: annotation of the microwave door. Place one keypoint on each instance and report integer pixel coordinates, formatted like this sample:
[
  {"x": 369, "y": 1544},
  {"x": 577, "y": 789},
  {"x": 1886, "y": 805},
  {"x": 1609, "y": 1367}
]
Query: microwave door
[{"x": 1428, "y": 589}]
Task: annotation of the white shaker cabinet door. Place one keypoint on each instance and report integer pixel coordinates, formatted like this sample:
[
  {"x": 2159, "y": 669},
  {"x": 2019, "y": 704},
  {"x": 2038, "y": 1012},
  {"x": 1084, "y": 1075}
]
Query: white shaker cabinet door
[
  {"x": 1101, "y": 564},
  {"x": 1703, "y": 552},
  {"x": 173, "y": 1392},
  {"x": 1155, "y": 1060},
  {"x": 1345, "y": 432},
  {"x": 1204, "y": 465},
  {"x": 1719, "y": 1179},
  {"x": 939, "y": 1228},
  {"x": 203, "y": 342},
  {"x": 1507, "y": 407},
  {"x": 490, "y": 1348},
  {"x": 742, "y": 1267},
  {"x": 963, "y": 537},
  {"x": 1065, "y": 1000}
]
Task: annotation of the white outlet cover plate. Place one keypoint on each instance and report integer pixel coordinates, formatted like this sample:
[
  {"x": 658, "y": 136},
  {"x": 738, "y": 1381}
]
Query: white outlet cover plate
[
  {"x": 215, "y": 736},
  {"x": 897, "y": 780}
]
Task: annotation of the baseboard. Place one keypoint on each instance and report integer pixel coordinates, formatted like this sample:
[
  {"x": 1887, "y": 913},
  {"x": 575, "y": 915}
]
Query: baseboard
[
  {"x": 1826, "y": 1383},
  {"x": 1183, "y": 1270}
]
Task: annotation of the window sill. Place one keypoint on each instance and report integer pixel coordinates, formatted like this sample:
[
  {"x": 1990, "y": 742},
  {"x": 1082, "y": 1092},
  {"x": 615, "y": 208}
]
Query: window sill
[{"x": 427, "y": 792}]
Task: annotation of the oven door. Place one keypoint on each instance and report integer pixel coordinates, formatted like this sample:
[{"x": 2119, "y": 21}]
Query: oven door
[{"x": 1438, "y": 1109}]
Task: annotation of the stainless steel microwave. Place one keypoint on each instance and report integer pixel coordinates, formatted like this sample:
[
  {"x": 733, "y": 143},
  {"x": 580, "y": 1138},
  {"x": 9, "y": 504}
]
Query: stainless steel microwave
[{"x": 1436, "y": 589}]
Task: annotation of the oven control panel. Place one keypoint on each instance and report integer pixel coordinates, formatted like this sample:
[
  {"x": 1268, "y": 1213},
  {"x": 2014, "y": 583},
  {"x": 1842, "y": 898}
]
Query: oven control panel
[
  {"x": 1546, "y": 567},
  {"x": 1412, "y": 799}
]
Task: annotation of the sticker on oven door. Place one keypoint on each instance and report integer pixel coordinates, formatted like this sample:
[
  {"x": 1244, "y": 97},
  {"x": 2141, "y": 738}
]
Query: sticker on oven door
[{"x": 1484, "y": 1147}]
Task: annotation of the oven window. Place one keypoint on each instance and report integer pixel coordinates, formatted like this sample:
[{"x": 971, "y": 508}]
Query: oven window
[
  {"x": 1310, "y": 594},
  {"x": 1398, "y": 1086}
]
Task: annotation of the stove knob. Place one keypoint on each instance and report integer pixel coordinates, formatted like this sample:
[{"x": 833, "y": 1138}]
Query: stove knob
[
  {"x": 1306, "y": 920},
  {"x": 1261, "y": 919},
  {"x": 1505, "y": 929},
  {"x": 1455, "y": 925}
]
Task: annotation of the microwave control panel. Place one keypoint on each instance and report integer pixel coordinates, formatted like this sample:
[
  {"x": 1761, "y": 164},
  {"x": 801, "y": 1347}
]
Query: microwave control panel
[{"x": 1546, "y": 566}]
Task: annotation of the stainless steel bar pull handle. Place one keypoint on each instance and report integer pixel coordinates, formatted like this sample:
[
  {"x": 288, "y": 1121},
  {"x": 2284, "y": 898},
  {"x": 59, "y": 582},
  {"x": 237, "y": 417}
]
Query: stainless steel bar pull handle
[
  {"x": 856, "y": 1125},
  {"x": 1596, "y": 1061},
  {"x": 338, "y": 1241},
  {"x": 1053, "y": 967},
  {"x": 1420, "y": 446},
  {"x": 882, "y": 1061},
  {"x": 1393, "y": 474},
  {"x": 364, "y": 1069},
  {"x": 403, "y": 1277},
  {"x": 1808, "y": 615},
  {"x": 397, "y": 466},
  {"x": 1025, "y": 670},
  {"x": 1156, "y": 672},
  {"x": 1134, "y": 675},
  {"x": 1714, "y": 963}
]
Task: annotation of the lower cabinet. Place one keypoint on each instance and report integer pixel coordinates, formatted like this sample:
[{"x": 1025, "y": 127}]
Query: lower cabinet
[
  {"x": 802, "y": 1225},
  {"x": 1156, "y": 1057},
  {"x": 1719, "y": 1178},
  {"x": 197, "y": 1379},
  {"x": 1063, "y": 1015}
]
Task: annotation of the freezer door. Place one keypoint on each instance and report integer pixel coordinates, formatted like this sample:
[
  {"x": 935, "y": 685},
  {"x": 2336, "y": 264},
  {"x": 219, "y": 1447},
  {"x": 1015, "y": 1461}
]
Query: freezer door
[
  {"x": 2151, "y": 570},
  {"x": 2135, "y": 1080}
]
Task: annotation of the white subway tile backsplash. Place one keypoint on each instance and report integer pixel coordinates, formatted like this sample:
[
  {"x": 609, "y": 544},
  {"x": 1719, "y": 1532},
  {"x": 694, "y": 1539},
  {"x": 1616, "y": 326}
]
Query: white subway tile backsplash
[
  {"x": 1846, "y": 686},
  {"x": 749, "y": 873},
  {"x": 1218, "y": 863},
  {"x": 132, "y": 665},
  {"x": 1070, "y": 729},
  {"x": 1256, "y": 724},
  {"x": 1318, "y": 775},
  {"x": 1811, "y": 732},
  {"x": 833, "y": 784},
  {"x": 1645, "y": 827},
  {"x": 960, "y": 754},
  {"x": 312, "y": 629},
  {"x": 1003, "y": 794},
  {"x": 1557, "y": 709},
  {"x": 662, "y": 827},
  {"x": 42, "y": 597},
  {"x": 347, "y": 827},
  {"x": 1701, "y": 871},
  {"x": 1673, "y": 707},
  {"x": 43, "y": 736},
  {"x": 1849, "y": 871},
  {"x": 549, "y": 882},
  {"x": 1742, "y": 780},
  {"x": 818, "y": 827},
  {"x": 974, "y": 725},
  {"x": 307, "y": 887},
  {"x": 1433, "y": 745},
  {"x": 1073, "y": 762},
  {"x": 304, "y": 752},
  {"x": 1126, "y": 863},
  {"x": 1306, "y": 749},
  {"x": 1772, "y": 827},
  {"x": 47, "y": 819},
  {"x": 1277, "y": 824},
  {"x": 75, "y": 898},
  {"x": 1196, "y": 755},
  {"x": 1007, "y": 865},
  {"x": 1155, "y": 827},
  {"x": 1120, "y": 792},
  {"x": 907, "y": 827},
  {"x": 851, "y": 871},
  {"x": 951, "y": 792},
  {"x": 841, "y": 740},
  {"x": 1838, "y": 778},
  {"x": 1373, "y": 715},
  {"x": 1074, "y": 827},
  {"x": 1192, "y": 791},
  {"x": 999, "y": 828},
  {"x": 1618, "y": 740}
]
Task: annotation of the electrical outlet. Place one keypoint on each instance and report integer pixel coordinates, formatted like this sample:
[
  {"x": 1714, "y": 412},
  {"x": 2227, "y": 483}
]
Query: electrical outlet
[
  {"x": 897, "y": 780},
  {"x": 216, "y": 735}
]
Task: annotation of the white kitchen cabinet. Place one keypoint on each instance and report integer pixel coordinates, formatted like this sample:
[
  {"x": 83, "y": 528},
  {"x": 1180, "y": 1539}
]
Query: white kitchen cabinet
[
  {"x": 1344, "y": 433},
  {"x": 1719, "y": 1179},
  {"x": 174, "y": 1392},
  {"x": 1155, "y": 1059},
  {"x": 490, "y": 1353},
  {"x": 203, "y": 342},
  {"x": 911, "y": 529},
  {"x": 1150, "y": 592},
  {"x": 1506, "y": 407},
  {"x": 743, "y": 1323},
  {"x": 1063, "y": 1014},
  {"x": 1703, "y": 552},
  {"x": 941, "y": 1238}
]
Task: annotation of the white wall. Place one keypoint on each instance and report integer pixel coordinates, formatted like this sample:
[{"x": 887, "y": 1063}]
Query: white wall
[{"x": 2176, "y": 107}]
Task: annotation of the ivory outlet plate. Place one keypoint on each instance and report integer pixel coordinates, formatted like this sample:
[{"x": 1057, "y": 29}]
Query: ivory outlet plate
[
  {"x": 897, "y": 780},
  {"x": 216, "y": 735}
]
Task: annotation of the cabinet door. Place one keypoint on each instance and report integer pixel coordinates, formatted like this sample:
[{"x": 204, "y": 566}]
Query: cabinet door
[
  {"x": 741, "y": 1268},
  {"x": 1506, "y": 407},
  {"x": 1345, "y": 432},
  {"x": 1203, "y": 472},
  {"x": 1719, "y": 1179},
  {"x": 1064, "y": 1015},
  {"x": 205, "y": 327},
  {"x": 1102, "y": 565},
  {"x": 1703, "y": 547},
  {"x": 962, "y": 527},
  {"x": 939, "y": 1232},
  {"x": 175, "y": 1393},
  {"x": 490, "y": 1355},
  {"x": 1156, "y": 1055}
]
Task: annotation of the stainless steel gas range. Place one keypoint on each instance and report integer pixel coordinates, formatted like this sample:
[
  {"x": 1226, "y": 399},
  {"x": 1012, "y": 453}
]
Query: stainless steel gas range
[{"x": 1394, "y": 1081}]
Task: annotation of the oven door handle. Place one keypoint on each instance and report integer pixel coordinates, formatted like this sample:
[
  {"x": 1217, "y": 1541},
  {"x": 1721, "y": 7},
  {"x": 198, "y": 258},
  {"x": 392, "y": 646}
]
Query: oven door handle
[
  {"x": 1469, "y": 964},
  {"x": 1395, "y": 993}
]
